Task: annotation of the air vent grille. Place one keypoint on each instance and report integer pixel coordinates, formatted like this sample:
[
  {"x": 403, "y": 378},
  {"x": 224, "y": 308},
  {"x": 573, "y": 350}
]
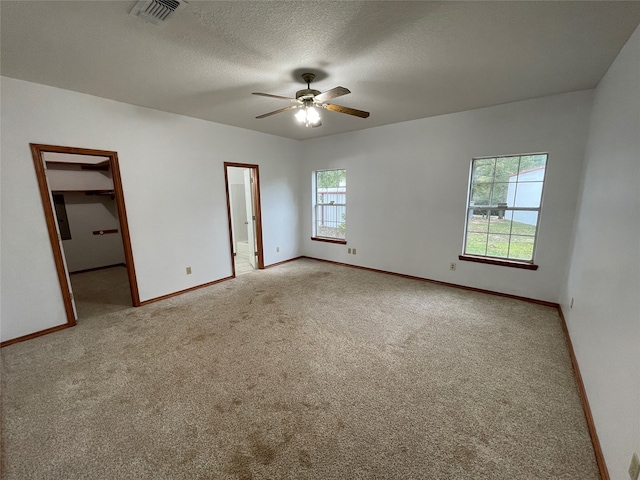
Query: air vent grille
[
  {"x": 161, "y": 9},
  {"x": 156, "y": 11}
]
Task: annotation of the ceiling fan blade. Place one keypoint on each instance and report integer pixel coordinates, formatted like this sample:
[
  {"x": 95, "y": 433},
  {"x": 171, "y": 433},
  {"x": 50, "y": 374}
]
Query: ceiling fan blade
[
  {"x": 275, "y": 96},
  {"x": 347, "y": 110},
  {"x": 277, "y": 111},
  {"x": 333, "y": 93}
]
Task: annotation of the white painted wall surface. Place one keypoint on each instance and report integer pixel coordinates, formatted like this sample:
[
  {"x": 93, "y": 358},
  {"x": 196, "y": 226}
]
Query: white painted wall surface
[
  {"x": 173, "y": 179},
  {"x": 279, "y": 196},
  {"x": 86, "y": 214},
  {"x": 408, "y": 187},
  {"x": 604, "y": 275}
]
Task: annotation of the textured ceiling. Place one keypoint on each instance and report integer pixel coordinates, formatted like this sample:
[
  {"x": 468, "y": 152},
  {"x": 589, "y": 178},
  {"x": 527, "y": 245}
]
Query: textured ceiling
[{"x": 401, "y": 60}]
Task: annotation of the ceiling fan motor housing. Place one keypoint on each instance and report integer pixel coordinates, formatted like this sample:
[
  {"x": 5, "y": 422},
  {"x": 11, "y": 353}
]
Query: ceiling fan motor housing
[{"x": 307, "y": 93}]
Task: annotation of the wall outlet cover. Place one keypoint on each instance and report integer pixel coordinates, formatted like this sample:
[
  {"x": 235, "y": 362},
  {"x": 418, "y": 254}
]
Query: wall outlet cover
[
  {"x": 188, "y": 270},
  {"x": 348, "y": 250},
  {"x": 354, "y": 251}
]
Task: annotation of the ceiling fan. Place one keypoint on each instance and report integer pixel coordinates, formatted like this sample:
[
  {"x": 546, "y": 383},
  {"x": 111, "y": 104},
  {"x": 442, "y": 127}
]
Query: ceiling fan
[{"x": 309, "y": 100}]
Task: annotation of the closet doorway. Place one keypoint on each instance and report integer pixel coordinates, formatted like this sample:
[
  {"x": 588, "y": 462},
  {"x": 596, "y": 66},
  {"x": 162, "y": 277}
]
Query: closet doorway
[
  {"x": 245, "y": 218},
  {"x": 81, "y": 192}
]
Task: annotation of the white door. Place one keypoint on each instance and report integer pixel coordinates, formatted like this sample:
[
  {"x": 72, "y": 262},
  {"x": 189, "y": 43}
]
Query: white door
[{"x": 251, "y": 230}]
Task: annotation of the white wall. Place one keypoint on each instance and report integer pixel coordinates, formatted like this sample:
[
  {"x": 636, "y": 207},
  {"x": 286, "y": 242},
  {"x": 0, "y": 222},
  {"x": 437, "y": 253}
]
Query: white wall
[
  {"x": 173, "y": 179},
  {"x": 86, "y": 214},
  {"x": 408, "y": 188},
  {"x": 604, "y": 275}
]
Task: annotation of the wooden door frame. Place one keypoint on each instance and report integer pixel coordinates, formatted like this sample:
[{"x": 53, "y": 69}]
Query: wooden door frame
[
  {"x": 37, "y": 151},
  {"x": 255, "y": 190}
]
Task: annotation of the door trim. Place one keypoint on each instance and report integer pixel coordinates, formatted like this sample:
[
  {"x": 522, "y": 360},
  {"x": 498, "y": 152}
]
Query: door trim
[
  {"x": 255, "y": 174},
  {"x": 37, "y": 151}
]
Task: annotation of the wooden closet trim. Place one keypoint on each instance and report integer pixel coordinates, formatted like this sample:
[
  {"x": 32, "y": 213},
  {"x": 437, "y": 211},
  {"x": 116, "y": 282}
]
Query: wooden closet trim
[{"x": 37, "y": 151}]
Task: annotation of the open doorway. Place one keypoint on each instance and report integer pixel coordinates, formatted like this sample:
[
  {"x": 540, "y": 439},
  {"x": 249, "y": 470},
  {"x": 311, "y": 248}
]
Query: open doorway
[
  {"x": 82, "y": 196},
  {"x": 245, "y": 219}
]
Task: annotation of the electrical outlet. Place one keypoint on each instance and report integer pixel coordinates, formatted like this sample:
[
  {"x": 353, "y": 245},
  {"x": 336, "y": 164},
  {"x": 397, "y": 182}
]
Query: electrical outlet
[
  {"x": 354, "y": 251},
  {"x": 277, "y": 249},
  {"x": 571, "y": 306},
  {"x": 188, "y": 270},
  {"x": 348, "y": 250},
  {"x": 634, "y": 468},
  {"x": 452, "y": 266}
]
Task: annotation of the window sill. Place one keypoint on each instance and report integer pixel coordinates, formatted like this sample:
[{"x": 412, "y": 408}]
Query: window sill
[
  {"x": 329, "y": 240},
  {"x": 497, "y": 261}
]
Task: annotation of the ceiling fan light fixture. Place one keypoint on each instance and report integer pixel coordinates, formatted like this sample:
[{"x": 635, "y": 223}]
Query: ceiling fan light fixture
[
  {"x": 312, "y": 115},
  {"x": 309, "y": 116},
  {"x": 301, "y": 115}
]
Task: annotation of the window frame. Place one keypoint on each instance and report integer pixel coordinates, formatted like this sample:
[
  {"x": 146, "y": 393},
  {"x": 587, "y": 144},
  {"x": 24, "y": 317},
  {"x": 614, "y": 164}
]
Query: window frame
[
  {"x": 497, "y": 260},
  {"x": 315, "y": 204}
]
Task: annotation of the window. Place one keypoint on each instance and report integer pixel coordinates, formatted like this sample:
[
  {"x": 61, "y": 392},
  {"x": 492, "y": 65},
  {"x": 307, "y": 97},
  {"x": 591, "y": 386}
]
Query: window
[
  {"x": 503, "y": 210},
  {"x": 330, "y": 205}
]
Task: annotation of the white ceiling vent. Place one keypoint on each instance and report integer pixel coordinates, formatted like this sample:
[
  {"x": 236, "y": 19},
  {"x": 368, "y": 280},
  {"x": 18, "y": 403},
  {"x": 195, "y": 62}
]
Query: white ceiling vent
[{"x": 157, "y": 11}]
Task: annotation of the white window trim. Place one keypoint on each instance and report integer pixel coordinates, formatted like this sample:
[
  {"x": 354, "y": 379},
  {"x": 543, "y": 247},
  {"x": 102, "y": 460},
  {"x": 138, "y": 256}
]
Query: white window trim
[
  {"x": 495, "y": 260},
  {"x": 315, "y": 205}
]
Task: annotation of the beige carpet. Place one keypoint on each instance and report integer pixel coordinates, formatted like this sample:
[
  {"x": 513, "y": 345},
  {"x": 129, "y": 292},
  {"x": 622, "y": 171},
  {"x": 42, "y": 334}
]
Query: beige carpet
[
  {"x": 304, "y": 371},
  {"x": 101, "y": 291}
]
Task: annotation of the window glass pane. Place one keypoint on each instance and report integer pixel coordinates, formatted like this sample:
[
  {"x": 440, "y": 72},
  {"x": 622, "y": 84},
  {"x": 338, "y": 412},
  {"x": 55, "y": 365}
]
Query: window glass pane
[
  {"x": 499, "y": 193},
  {"x": 331, "y": 200},
  {"x": 478, "y": 220},
  {"x": 481, "y": 193},
  {"x": 499, "y": 224},
  {"x": 331, "y": 179},
  {"x": 508, "y": 215},
  {"x": 476, "y": 244},
  {"x": 533, "y": 175},
  {"x": 506, "y": 168},
  {"x": 521, "y": 248},
  {"x": 483, "y": 170},
  {"x": 330, "y": 221},
  {"x": 529, "y": 162},
  {"x": 498, "y": 245},
  {"x": 532, "y": 168},
  {"x": 527, "y": 194},
  {"x": 524, "y": 223}
]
